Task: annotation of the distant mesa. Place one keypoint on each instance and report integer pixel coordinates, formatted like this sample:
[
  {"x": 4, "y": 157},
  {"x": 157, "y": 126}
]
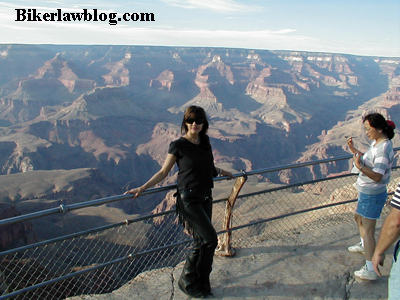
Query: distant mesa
[{"x": 115, "y": 109}]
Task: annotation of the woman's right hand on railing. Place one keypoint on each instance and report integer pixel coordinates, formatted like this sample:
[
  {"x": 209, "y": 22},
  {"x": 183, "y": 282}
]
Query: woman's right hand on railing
[{"x": 136, "y": 191}]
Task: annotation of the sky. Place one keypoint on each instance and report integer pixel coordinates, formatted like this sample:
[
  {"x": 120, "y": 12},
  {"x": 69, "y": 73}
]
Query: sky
[{"x": 360, "y": 27}]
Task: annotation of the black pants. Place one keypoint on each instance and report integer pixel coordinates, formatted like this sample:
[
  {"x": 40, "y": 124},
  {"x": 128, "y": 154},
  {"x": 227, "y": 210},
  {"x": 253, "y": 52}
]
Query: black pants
[{"x": 197, "y": 212}]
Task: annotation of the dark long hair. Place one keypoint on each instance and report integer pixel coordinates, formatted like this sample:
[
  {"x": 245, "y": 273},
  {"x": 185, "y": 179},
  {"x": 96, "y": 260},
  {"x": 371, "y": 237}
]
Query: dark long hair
[
  {"x": 378, "y": 121},
  {"x": 195, "y": 112}
]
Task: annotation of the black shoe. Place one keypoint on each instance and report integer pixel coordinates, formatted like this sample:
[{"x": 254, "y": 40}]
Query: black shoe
[
  {"x": 206, "y": 287},
  {"x": 192, "y": 289}
]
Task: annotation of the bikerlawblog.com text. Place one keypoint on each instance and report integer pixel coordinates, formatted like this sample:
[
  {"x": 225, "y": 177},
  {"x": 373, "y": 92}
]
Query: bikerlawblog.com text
[{"x": 93, "y": 15}]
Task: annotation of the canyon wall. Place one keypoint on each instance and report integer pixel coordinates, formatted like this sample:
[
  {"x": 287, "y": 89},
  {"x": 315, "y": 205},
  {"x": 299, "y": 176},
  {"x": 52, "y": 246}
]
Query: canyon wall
[{"x": 115, "y": 109}]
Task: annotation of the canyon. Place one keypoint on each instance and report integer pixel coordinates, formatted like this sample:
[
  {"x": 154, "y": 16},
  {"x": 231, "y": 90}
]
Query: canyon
[{"x": 83, "y": 122}]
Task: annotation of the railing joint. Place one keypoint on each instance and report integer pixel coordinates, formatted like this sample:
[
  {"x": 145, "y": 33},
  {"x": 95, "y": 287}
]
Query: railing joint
[{"x": 63, "y": 208}]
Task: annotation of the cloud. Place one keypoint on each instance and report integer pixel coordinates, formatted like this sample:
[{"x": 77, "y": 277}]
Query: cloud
[
  {"x": 216, "y": 5},
  {"x": 123, "y": 34},
  {"x": 166, "y": 34}
]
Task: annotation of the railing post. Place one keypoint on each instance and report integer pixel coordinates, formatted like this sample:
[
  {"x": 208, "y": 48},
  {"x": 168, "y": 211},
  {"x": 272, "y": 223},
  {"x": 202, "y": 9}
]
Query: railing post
[{"x": 224, "y": 242}]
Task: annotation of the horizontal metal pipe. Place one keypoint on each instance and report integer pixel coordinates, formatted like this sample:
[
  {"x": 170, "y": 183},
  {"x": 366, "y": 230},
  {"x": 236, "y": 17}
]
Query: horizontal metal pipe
[
  {"x": 147, "y": 217},
  {"x": 65, "y": 208},
  {"x": 147, "y": 252}
]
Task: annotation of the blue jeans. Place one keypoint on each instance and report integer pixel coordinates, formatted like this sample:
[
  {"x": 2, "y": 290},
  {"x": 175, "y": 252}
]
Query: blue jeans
[{"x": 394, "y": 278}]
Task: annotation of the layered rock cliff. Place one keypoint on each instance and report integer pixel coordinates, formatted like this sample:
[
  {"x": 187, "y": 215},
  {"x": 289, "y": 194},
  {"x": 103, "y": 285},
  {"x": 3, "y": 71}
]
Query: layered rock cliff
[
  {"x": 17, "y": 234},
  {"x": 115, "y": 109}
]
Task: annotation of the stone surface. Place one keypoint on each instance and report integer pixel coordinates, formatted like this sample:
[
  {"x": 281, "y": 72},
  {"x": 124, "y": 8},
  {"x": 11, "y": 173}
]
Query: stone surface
[{"x": 311, "y": 265}]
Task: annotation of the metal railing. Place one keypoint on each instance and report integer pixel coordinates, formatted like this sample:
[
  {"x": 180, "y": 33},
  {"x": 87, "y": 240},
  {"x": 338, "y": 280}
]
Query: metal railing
[{"x": 100, "y": 260}]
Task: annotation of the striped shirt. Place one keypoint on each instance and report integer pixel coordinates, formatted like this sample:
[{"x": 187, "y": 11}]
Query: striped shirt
[
  {"x": 396, "y": 198},
  {"x": 380, "y": 159}
]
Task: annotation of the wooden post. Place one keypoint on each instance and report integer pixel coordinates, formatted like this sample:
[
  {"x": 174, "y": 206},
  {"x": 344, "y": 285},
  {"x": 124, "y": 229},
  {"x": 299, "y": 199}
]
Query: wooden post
[{"x": 224, "y": 243}]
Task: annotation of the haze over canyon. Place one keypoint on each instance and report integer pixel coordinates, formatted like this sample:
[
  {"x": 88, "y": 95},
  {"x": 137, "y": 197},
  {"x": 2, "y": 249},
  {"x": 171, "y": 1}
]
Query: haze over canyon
[{"x": 83, "y": 122}]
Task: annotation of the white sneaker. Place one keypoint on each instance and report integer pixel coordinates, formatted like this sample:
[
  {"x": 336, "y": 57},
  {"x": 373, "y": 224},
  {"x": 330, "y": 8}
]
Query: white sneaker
[
  {"x": 357, "y": 248},
  {"x": 363, "y": 273}
]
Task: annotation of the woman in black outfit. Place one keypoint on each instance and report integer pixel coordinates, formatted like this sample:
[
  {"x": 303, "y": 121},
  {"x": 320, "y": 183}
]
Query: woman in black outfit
[{"x": 193, "y": 154}]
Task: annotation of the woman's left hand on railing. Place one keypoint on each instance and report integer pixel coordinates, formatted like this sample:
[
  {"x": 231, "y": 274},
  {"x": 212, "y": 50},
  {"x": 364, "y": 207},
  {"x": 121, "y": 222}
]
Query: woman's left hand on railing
[
  {"x": 227, "y": 173},
  {"x": 222, "y": 172}
]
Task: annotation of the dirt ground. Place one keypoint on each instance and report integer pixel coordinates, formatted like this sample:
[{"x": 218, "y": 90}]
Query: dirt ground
[{"x": 306, "y": 264}]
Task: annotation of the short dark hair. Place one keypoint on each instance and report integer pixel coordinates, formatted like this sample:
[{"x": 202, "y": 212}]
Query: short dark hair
[
  {"x": 195, "y": 112},
  {"x": 378, "y": 121}
]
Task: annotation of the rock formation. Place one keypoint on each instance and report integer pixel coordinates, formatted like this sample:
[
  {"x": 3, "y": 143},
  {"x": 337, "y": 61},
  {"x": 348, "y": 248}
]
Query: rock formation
[
  {"x": 115, "y": 109},
  {"x": 17, "y": 234}
]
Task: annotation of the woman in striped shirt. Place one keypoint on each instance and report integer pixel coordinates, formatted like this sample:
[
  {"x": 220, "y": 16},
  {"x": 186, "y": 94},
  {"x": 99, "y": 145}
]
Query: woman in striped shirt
[{"x": 375, "y": 169}]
